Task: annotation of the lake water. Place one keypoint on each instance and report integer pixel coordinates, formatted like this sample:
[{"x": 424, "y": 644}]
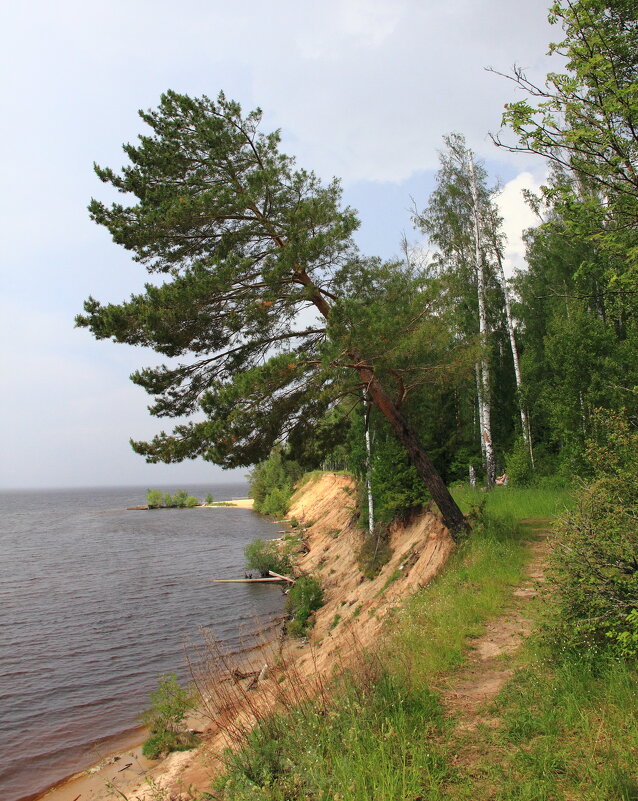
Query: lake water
[{"x": 95, "y": 603}]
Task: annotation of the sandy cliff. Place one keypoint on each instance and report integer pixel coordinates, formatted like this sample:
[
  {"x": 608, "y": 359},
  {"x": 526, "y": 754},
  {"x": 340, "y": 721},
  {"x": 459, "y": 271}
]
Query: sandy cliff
[{"x": 355, "y": 609}]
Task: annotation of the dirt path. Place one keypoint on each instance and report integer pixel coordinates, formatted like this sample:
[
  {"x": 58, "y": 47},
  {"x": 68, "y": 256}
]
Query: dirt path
[{"x": 487, "y": 669}]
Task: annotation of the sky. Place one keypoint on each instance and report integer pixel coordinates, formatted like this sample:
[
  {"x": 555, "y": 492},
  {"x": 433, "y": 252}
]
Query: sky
[{"x": 361, "y": 89}]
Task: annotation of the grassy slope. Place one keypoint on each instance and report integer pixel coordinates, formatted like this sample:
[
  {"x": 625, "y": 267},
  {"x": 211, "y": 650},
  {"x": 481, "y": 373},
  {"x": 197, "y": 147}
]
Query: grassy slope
[{"x": 568, "y": 725}]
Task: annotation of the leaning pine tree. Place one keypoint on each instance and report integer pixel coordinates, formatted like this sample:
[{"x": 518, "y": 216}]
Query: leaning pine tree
[{"x": 245, "y": 243}]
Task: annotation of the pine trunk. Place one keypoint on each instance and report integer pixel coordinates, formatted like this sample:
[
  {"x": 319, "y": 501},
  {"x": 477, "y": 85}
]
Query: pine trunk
[{"x": 450, "y": 512}]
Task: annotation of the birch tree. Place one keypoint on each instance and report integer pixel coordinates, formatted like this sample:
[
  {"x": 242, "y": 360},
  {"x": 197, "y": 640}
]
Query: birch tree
[
  {"x": 454, "y": 222},
  {"x": 495, "y": 239}
]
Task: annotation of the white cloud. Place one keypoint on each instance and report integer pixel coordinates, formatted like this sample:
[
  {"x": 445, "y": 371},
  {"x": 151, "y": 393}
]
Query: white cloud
[{"x": 517, "y": 217}]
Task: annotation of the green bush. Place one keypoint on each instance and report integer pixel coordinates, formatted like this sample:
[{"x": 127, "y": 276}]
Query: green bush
[
  {"x": 518, "y": 465},
  {"x": 595, "y": 561},
  {"x": 209, "y": 498},
  {"x": 264, "y": 556},
  {"x": 375, "y": 552},
  {"x": 191, "y": 501},
  {"x": 276, "y": 502},
  {"x": 165, "y": 719},
  {"x": 179, "y": 499},
  {"x": 154, "y": 498},
  {"x": 304, "y": 598},
  {"x": 272, "y": 483},
  {"x": 168, "y": 500}
]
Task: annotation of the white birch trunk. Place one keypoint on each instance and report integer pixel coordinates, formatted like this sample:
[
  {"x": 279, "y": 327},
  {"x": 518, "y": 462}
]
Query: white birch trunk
[
  {"x": 366, "y": 419},
  {"x": 527, "y": 433},
  {"x": 472, "y": 476},
  {"x": 479, "y": 405},
  {"x": 484, "y": 370}
]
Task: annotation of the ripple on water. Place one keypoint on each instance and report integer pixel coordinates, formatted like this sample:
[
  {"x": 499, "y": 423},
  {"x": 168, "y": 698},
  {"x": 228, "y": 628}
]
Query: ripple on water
[{"x": 95, "y": 603}]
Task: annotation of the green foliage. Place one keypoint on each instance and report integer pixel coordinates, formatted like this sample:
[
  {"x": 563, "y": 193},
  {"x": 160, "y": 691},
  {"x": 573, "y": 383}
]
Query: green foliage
[
  {"x": 584, "y": 117},
  {"x": 305, "y": 597},
  {"x": 154, "y": 498},
  {"x": 374, "y": 551},
  {"x": 272, "y": 483},
  {"x": 264, "y": 555},
  {"x": 595, "y": 561},
  {"x": 165, "y": 717},
  {"x": 518, "y": 465},
  {"x": 276, "y": 502},
  {"x": 264, "y": 240},
  {"x": 179, "y": 499},
  {"x": 377, "y": 741},
  {"x": 209, "y": 499}
]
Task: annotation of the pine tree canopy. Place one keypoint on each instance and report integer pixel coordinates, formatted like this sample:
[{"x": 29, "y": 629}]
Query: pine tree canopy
[{"x": 245, "y": 245}]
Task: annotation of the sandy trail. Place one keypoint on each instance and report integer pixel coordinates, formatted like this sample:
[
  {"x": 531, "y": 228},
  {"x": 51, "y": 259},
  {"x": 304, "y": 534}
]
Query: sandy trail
[{"x": 485, "y": 672}]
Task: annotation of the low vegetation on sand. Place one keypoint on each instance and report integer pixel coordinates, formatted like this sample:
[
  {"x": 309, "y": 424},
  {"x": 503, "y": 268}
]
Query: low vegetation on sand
[
  {"x": 265, "y": 556},
  {"x": 165, "y": 717},
  {"x": 156, "y": 499}
]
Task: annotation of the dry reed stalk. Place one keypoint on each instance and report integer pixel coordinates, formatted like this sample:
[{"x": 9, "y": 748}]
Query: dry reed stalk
[{"x": 236, "y": 702}]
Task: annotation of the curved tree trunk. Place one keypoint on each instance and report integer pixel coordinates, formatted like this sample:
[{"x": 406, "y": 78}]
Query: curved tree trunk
[{"x": 450, "y": 512}]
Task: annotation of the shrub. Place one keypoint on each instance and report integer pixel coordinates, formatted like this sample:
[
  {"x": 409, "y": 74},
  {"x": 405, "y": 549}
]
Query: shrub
[
  {"x": 595, "y": 562},
  {"x": 154, "y": 499},
  {"x": 168, "y": 500},
  {"x": 518, "y": 465},
  {"x": 265, "y": 556},
  {"x": 209, "y": 498},
  {"x": 165, "y": 719},
  {"x": 375, "y": 552},
  {"x": 304, "y": 598},
  {"x": 276, "y": 502},
  {"x": 179, "y": 499},
  {"x": 272, "y": 482},
  {"x": 191, "y": 501}
]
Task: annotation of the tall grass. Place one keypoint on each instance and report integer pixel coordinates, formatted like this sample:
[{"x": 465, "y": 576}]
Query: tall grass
[
  {"x": 381, "y": 733},
  {"x": 435, "y": 624},
  {"x": 568, "y": 724},
  {"x": 569, "y": 730},
  {"x": 515, "y": 503}
]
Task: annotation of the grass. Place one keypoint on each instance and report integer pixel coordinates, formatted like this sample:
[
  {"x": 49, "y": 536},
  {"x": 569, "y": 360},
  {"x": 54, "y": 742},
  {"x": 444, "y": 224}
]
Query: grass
[
  {"x": 383, "y": 734},
  {"x": 568, "y": 723},
  {"x": 569, "y": 730},
  {"x": 435, "y": 624},
  {"x": 516, "y": 503}
]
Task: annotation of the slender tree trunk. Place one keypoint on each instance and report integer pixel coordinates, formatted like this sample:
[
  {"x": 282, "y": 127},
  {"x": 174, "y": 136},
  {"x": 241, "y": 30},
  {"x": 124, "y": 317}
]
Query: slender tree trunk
[
  {"x": 366, "y": 419},
  {"x": 479, "y": 408},
  {"x": 527, "y": 432},
  {"x": 484, "y": 396}
]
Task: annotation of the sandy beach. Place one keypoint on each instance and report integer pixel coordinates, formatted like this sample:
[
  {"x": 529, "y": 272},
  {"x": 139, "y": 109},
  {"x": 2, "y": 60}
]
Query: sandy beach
[{"x": 239, "y": 503}]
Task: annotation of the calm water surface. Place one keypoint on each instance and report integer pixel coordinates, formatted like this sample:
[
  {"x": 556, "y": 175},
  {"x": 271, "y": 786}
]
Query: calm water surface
[{"x": 95, "y": 603}]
